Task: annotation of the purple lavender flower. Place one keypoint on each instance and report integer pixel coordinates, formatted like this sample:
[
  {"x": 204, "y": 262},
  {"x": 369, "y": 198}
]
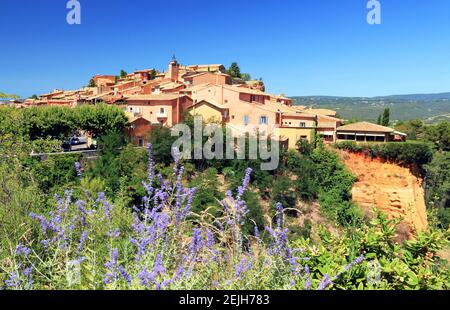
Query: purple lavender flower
[
  {"x": 197, "y": 242},
  {"x": 78, "y": 169},
  {"x": 13, "y": 282},
  {"x": 114, "y": 234},
  {"x": 125, "y": 275},
  {"x": 308, "y": 278},
  {"x": 111, "y": 268},
  {"x": 326, "y": 282},
  {"x": 159, "y": 268},
  {"x": 279, "y": 208},
  {"x": 22, "y": 250},
  {"x": 209, "y": 238},
  {"x": 257, "y": 234},
  {"x": 349, "y": 266},
  {"x": 245, "y": 183},
  {"x": 243, "y": 267},
  {"x": 82, "y": 241},
  {"x": 146, "y": 278}
]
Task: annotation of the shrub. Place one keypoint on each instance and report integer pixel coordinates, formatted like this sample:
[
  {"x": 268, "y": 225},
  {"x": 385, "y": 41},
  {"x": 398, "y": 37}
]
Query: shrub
[{"x": 405, "y": 153}]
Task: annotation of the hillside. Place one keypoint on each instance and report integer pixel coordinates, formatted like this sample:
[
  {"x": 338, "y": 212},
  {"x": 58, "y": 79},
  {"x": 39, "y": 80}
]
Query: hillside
[
  {"x": 393, "y": 189},
  {"x": 428, "y": 107}
]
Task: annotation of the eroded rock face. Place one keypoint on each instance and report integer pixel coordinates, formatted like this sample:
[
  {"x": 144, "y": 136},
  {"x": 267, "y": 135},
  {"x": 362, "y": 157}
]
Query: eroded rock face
[{"x": 393, "y": 189}]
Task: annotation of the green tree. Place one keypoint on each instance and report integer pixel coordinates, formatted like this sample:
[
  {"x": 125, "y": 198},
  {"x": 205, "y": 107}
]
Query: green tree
[
  {"x": 438, "y": 186},
  {"x": 107, "y": 165},
  {"x": 283, "y": 192},
  {"x": 439, "y": 135},
  {"x": 123, "y": 74},
  {"x": 8, "y": 96},
  {"x": 386, "y": 117},
  {"x": 234, "y": 70},
  {"x": 379, "y": 120},
  {"x": 246, "y": 76},
  {"x": 92, "y": 83},
  {"x": 208, "y": 194},
  {"x": 162, "y": 141},
  {"x": 153, "y": 74}
]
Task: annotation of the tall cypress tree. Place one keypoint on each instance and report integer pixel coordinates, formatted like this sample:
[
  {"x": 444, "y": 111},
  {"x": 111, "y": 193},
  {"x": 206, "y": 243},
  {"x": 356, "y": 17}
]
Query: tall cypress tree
[
  {"x": 386, "y": 117},
  {"x": 379, "y": 120}
]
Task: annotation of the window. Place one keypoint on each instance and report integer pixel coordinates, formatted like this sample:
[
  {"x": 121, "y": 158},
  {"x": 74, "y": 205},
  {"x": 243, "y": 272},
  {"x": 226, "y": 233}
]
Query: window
[
  {"x": 263, "y": 120},
  {"x": 254, "y": 98},
  {"x": 302, "y": 124},
  {"x": 161, "y": 110},
  {"x": 245, "y": 120}
]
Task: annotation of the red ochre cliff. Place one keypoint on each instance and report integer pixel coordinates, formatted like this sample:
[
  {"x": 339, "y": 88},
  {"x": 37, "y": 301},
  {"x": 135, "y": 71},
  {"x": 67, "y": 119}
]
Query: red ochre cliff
[{"x": 391, "y": 188}]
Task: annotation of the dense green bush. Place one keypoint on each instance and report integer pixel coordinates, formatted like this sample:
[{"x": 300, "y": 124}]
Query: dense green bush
[
  {"x": 61, "y": 122},
  {"x": 404, "y": 153}
]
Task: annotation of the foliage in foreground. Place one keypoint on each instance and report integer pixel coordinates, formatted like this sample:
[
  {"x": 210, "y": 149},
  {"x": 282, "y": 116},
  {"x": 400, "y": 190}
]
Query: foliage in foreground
[{"x": 86, "y": 242}]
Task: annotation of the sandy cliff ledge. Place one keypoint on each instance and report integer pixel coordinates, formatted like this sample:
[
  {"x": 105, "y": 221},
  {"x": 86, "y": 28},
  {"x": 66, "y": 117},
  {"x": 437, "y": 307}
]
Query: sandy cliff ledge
[{"x": 393, "y": 189}]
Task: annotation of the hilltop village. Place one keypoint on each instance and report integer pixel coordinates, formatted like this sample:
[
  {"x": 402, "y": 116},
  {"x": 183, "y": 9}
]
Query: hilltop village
[{"x": 151, "y": 98}]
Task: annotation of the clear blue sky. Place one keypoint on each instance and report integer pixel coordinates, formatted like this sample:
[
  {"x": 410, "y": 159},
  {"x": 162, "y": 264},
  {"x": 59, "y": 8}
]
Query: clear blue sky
[{"x": 299, "y": 47}]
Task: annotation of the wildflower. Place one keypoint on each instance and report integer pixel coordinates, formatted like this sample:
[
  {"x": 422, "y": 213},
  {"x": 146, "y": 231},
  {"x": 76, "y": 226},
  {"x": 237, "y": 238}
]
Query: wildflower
[
  {"x": 209, "y": 238},
  {"x": 243, "y": 267},
  {"x": 78, "y": 170},
  {"x": 111, "y": 266},
  {"x": 245, "y": 183},
  {"x": 13, "y": 281},
  {"x": 257, "y": 234},
  {"x": 22, "y": 250},
  {"x": 159, "y": 268},
  {"x": 197, "y": 242},
  {"x": 113, "y": 233},
  {"x": 279, "y": 208},
  {"x": 82, "y": 241},
  {"x": 146, "y": 278},
  {"x": 125, "y": 275},
  {"x": 106, "y": 205},
  {"x": 349, "y": 266},
  {"x": 326, "y": 281},
  {"x": 308, "y": 278}
]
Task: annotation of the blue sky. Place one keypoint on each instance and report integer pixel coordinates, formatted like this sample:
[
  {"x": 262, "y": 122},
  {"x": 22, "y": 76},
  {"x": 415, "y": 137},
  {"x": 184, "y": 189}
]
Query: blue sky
[{"x": 299, "y": 47}]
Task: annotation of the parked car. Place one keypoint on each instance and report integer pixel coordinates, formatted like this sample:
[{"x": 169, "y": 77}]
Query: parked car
[
  {"x": 66, "y": 146},
  {"x": 75, "y": 141}
]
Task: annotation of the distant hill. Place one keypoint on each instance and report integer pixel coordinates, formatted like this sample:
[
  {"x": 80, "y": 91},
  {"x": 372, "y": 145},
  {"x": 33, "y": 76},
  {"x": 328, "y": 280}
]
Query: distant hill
[{"x": 428, "y": 107}]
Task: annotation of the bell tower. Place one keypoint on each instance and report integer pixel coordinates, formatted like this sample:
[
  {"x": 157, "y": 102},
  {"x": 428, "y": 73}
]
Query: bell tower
[{"x": 174, "y": 68}]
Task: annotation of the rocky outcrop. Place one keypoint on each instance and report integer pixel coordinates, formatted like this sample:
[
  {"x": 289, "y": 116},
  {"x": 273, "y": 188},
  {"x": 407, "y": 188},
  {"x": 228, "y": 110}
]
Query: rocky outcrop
[{"x": 393, "y": 189}]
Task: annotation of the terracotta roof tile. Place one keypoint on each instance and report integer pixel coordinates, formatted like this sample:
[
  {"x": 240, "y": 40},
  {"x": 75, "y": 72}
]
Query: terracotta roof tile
[{"x": 365, "y": 126}]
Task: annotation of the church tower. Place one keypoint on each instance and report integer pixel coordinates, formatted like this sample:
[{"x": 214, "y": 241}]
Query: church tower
[{"x": 174, "y": 68}]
